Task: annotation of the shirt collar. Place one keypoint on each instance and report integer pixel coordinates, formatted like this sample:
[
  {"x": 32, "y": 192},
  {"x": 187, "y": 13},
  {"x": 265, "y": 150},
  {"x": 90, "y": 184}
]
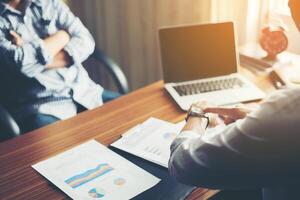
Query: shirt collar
[
  {"x": 37, "y": 2},
  {"x": 5, "y": 7}
]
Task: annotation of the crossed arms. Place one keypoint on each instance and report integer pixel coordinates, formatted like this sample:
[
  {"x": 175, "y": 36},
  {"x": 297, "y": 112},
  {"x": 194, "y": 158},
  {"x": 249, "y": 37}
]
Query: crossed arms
[
  {"x": 71, "y": 44},
  {"x": 54, "y": 45}
]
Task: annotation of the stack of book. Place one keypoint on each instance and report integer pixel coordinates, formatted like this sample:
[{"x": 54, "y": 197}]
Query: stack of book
[
  {"x": 286, "y": 67},
  {"x": 252, "y": 55}
]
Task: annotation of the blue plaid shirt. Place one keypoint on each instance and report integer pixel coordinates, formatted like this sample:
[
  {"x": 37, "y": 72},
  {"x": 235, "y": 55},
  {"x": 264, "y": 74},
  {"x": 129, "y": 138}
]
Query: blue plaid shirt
[{"x": 26, "y": 85}]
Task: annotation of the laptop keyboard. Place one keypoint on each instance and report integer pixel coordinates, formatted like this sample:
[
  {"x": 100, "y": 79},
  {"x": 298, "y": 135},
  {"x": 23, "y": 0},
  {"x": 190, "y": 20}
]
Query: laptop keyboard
[{"x": 209, "y": 86}]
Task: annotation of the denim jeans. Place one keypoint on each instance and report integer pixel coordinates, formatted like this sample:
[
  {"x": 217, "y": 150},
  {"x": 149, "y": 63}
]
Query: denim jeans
[
  {"x": 36, "y": 121},
  {"x": 108, "y": 95}
]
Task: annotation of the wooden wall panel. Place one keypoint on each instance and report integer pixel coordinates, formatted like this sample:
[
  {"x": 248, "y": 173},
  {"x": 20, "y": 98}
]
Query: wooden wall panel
[{"x": 127, "y": 31}]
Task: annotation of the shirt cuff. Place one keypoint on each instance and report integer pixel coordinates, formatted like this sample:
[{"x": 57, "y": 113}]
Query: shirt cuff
[
  {"x": 42, "y": 55},
  {"x": 183, "y": 137},
  {"x": 188, "y": 135}
]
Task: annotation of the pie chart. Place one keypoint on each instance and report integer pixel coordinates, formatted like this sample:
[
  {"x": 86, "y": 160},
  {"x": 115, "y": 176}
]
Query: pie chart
[
  {"x": 119, "y": 181},
  {"x": 97, "y": 193}
]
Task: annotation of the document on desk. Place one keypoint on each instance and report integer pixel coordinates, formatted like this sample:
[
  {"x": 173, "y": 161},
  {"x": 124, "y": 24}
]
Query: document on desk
[
  {"x": 92, "y": 171},
  {"x": 152, "y": 139}
]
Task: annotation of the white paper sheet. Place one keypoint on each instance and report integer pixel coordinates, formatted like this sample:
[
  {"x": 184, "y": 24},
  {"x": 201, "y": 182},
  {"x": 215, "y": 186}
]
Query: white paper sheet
[
  {"x": 152, "y": 140},
  {"x": 91, "y": 171}
]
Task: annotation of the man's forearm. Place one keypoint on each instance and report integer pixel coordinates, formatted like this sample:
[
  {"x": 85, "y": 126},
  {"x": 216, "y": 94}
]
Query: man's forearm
[
  {"x": 195, "y": 124},
  {"x": 55, "y": 43},
  {"x": 61, "y": 60}
]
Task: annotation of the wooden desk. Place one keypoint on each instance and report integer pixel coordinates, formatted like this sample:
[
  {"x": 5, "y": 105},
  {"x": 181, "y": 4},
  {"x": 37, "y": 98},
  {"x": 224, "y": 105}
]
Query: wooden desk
[{"x": 105, "y": 124}]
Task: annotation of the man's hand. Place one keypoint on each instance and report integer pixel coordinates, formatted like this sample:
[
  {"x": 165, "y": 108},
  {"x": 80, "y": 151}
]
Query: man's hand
[
  {"x": 198, "y": 125},
  {"x": 16, "y": 39},
  {"x": 61, "y": 60},
  {"x": 213, "y": 118},
  {"x": 229, "y": 115}
]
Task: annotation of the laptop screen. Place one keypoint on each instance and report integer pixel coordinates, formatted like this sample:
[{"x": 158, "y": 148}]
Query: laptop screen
[{"x": 196, "y": 52}]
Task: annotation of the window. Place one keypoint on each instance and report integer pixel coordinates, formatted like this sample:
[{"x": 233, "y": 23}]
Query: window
[
  {"x": 279, "y": 10},
  {"x": 276, "y": 12},
  {"x": 279, "y": 7}
]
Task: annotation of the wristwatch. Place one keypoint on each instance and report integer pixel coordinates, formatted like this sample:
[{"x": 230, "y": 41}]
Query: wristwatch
[{"x": 197, "y": 112}]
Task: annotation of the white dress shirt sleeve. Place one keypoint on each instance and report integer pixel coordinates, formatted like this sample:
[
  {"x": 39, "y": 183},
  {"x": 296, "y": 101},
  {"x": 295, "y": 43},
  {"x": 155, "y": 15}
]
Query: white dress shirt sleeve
[{"x": 262, "y": 149}]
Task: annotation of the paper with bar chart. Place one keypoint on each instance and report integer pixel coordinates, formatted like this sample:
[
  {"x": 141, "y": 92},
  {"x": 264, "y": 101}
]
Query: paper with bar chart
[{"x": 91, "y": 171}]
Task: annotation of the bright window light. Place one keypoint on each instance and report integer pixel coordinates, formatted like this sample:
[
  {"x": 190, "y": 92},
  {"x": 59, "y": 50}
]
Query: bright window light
[{"x": 279, "y": 7}]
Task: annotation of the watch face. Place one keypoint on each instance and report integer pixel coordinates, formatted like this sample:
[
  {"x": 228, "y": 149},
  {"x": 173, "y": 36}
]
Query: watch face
[{"x": 196, "y": 110}]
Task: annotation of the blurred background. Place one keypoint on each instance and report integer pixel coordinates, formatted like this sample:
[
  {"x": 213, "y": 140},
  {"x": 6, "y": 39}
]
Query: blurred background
[{"x": 127, "y": 29}]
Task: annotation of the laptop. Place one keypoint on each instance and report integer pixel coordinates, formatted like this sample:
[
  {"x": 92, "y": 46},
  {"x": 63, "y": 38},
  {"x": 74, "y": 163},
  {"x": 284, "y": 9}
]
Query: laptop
[{"x": 200, "y": 63}]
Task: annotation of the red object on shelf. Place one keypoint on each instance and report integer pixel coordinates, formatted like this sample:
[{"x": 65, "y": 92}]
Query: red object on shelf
[{"x": 273, "y": 41}]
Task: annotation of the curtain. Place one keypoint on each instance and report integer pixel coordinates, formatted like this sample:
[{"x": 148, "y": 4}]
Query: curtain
[{"x": 127, "y": 30}]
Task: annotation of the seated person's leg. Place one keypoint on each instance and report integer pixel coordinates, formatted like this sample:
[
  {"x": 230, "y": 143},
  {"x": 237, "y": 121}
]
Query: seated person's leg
[
  {"x": 35, "y": 121},
  {"x": 108, "y": 95}
]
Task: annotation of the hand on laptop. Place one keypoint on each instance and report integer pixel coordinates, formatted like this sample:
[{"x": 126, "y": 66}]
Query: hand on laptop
[{"x": 228, "y": 115}]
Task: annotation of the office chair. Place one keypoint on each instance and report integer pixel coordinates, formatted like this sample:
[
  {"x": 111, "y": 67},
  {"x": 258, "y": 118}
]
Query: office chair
[{"x": 10, "y": 129}]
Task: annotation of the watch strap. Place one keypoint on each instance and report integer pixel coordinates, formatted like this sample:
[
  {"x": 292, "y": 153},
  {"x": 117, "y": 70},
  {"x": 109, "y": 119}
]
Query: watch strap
[{"x": 201, "y": 115}]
